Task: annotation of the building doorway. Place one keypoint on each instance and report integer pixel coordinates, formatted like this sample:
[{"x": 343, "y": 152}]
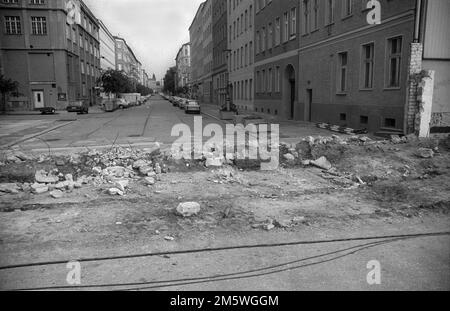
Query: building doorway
[
  {"x": 308, "y": 106},
  {"x": 289, "y": 92},
  {"x": 38, "y": 99}
]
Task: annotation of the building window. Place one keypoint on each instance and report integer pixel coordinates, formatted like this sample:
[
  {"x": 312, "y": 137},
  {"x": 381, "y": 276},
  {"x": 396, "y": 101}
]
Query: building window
[
  {"x": 82, "y": 68},
  {"x": 395, "y": 59},
  {"x": 263, "y": 86},
  {"x": 364, "y": 119},
  {"x": 11, "y": 1},
  {"x": 258, "y": 82},
  {"x": 81, "y": 41},
  {"x": 277, "y": 79},
  {"x": 38, "y": 25},
  {"x": 329, "y": 12},
  {"x": 12, "y": 25},
  {"x": 305, "y": 25},
  {"x": 390, "y": 123},
  {"x": 270, "y": 37},
  {"x": 286, "y": 27},
  {"x": 263, "y": 40},
  {"x": 342, "y": 72},
  {"x": 277, "y": 31},
  {"x": 37, "y": 2},
  {"x": 368, "y": 65},
  {"x": 293, "y": 22},
  {"x": 250, "y": 17},
  {"x": 347, "y": 8},
  {"x": 315, "y": 15},
  {"x": 343, "y": 117},
  {"x": 250, "y": 53},
  {"x": 269, "y": 84},
  {"x": 258, "y": 42}
]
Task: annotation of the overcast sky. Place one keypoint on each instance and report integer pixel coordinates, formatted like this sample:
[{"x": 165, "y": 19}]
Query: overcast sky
[{"x": 154, "y": 29}]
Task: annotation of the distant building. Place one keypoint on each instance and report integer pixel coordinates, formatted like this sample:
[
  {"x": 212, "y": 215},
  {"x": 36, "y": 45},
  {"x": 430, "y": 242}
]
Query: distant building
[
  {"x": 200, "y": 33},
  {"x": 220, "y": 51},
  {"x": 53, "y": 55},
  {"x": 107, "y": 49},
  {"x": 183, "y": 63},
  {"x": 152, "y": 83},
  {"x": 126, "y": 60},
  {"x": 240, "y": 58}
]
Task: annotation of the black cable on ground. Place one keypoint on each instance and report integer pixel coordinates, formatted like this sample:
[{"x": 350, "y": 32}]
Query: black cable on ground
[
  {"x": 223, "y": 277},
  {"x": 216, "y": 249}
]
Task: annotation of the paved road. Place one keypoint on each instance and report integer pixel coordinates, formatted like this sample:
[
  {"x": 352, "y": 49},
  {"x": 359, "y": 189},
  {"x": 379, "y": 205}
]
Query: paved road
[{"x": 152, "y": 122}]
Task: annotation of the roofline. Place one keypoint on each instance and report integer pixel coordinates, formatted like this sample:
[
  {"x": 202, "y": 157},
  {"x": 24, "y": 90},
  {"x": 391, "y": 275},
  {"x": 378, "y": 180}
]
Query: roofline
[
  {"x": 86, "y": 8},
  {"x": 181, "y": 49},
  {"x": 129, "y": 48},
  {"x": 102, "y": 25},
  {"x": 198, "y": 11}
]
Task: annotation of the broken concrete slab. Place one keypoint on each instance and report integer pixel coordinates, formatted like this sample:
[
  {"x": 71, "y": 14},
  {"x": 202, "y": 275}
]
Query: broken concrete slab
[
  {"x": 121, "y": 184},
  {"x": 39, "y": 188},
  {"x": 188, "y": 209},
  {"x": 425, "y": 153},
  {"x": 57, "y": 194},
  {"x": 9, "y": 188},
  {"x": 43, "y": 177},
  {"x": 322, "y": 163}
]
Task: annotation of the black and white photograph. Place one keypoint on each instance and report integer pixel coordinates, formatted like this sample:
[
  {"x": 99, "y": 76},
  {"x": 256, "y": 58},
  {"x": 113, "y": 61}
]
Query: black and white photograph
[{"x": 234, "y": 150}]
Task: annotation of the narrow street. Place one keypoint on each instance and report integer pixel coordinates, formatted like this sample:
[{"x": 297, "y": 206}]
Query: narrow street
[
  {"x": 402, "y": 194},
  {"x": 141, "y": 125}
]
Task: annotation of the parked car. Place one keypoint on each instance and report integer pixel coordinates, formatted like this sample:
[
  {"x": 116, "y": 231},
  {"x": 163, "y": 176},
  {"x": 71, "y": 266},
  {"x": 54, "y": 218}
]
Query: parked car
[
  {"x": 123, "y": 104},
  {"x": 182, "y": 103},
  {"x": 47, "y": 110},
  {"x": 192, "y": 107},
  {"x": 80, "y": 107},
  {"x": 176, "y": 102},
  {"x": 111, "y": 105}
]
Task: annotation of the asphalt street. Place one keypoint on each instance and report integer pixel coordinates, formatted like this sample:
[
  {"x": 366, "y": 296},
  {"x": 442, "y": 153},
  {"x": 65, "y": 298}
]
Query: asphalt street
[{"x": 146, "y": 124}]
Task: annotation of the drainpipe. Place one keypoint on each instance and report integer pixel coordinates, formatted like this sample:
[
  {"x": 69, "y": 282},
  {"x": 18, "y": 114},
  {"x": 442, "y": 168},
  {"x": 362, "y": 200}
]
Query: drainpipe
[{"x": 417, "y": 21}]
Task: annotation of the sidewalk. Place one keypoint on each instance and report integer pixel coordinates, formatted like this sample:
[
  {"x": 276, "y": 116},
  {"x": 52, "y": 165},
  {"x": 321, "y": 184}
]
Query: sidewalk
[
  {"x": 92, "y": 110},
  {"x": 291, "y": 132}
]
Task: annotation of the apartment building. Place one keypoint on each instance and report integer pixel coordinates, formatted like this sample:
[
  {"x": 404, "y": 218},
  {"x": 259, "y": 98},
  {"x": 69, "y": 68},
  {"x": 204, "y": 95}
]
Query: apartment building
[
  {"x": 51, "y": 48},
  {"x": 183, "y": 61},
  {"x": 220, "y": 51},
  {"x": 357, "y": 74},
  {"x": 240, "y": 56},
  {"x": 107, "y": 48},
  {"x": 127, "y": 61},
  {"x": 276, "y": 58},
  {"x": 201, "y": 41}
]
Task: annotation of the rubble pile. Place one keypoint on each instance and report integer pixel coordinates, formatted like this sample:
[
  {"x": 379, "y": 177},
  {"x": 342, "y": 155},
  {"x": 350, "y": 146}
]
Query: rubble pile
[{"x": 116, "y": 167}]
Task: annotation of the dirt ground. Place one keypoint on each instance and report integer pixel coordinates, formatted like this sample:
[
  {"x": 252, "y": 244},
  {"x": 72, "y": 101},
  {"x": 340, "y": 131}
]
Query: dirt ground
[{"x": 370, "y": 184}]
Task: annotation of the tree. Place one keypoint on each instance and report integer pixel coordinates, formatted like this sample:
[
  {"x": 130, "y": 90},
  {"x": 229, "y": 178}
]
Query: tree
[
  {"x": 169, "y": 81},
  {"x": 143, "y": 90},
  {"x": 114, "y": 81},
  {"x": 7, "y": 86}
]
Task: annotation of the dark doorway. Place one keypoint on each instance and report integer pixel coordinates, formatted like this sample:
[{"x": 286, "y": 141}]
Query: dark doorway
[
  {"x": 309, "y": 99},
  {"x": 289, "y": 92},
  {"x": 292, "y": 83}
]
